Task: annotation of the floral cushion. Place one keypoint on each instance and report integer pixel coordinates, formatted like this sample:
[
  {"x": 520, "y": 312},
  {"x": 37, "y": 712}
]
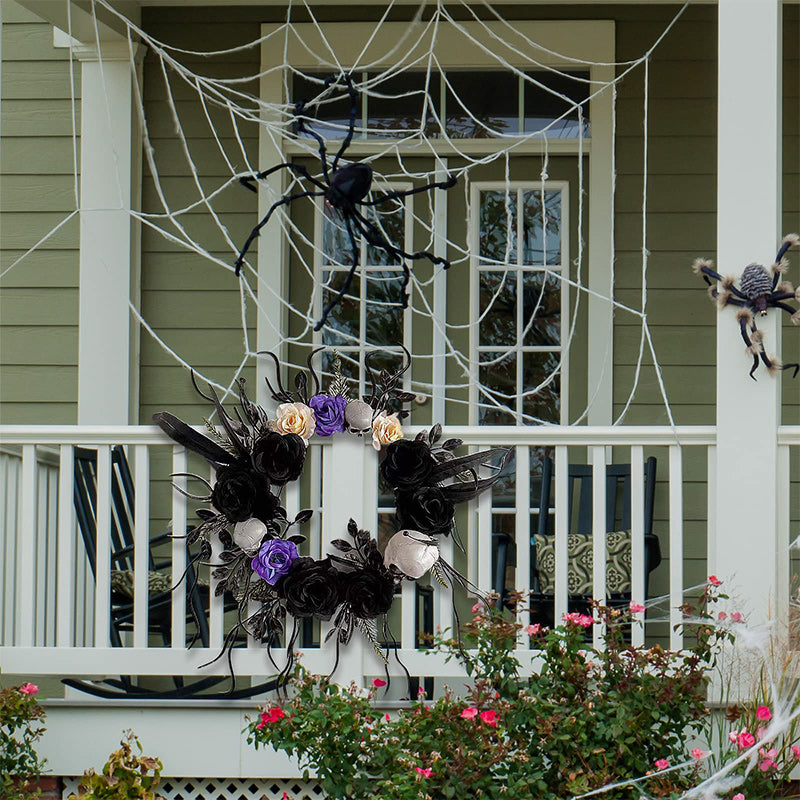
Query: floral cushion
[
  {"x": 157, "y": 582},
  {"x": 580, "y": 550}
]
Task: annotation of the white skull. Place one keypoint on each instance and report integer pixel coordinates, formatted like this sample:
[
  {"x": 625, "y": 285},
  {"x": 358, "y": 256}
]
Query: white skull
[
  {"x": 358, "y": 416},
  {"x": 248, "y": 534},
  {"x": 412, "y": 552}
]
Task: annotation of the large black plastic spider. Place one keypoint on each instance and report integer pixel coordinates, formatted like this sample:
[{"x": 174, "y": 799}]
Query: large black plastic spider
[
  {"x": 344, "y": 189},
  {"x": 759, "y": 289}
]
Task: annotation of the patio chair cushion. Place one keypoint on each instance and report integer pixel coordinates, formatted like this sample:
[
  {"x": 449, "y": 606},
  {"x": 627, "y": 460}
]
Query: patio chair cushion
[
  {"x": 157, "y": 582},
  {"x": 580, "y": 551}
]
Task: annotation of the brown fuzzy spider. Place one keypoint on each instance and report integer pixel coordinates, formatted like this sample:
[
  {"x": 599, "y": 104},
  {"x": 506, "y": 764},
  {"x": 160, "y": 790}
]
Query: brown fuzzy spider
[{"x": 759, "y": 289}]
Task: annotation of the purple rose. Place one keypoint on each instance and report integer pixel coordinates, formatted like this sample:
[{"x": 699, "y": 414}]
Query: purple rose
[
  {"x": 329, "y": 413},
  {"x": 274, "y": 559}
]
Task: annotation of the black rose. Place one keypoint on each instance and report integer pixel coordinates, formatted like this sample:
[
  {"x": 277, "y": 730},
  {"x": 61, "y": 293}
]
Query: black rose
[
  {"x": 236, "y": 492},
  {"x": 311, "y": 588},
  {"x": 425, "y": 509},
  {"x": 407, "y": 463},
  {"x": 279, "y": 456},
  {"x": 267, "y": 506},
  {"x": 369, "y": 592}
]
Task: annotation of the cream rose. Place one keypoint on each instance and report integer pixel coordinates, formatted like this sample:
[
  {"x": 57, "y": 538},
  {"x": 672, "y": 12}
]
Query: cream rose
[
  {"x": 295, "y": 418},
  {"x": 385, "y": 430}
]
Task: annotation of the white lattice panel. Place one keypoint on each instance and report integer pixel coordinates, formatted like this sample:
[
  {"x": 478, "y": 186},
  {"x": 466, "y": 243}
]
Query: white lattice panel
[{"x": 226, "y": 789}]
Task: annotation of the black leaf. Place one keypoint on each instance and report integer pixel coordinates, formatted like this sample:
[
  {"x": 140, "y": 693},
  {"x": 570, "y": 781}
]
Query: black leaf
[
  {"x": 435, "y": 433},
  {"x": 341, "y": 544},
  {"x": 205, "y": 513},
  {"x": 218, "y": 573},
  {"x": 298, "y": 538},
  {"x": 220, "y": 589},
  {"x": 352, "y": 528},
  {"x": 452, "y": 444},
  {"x": 301, "y": 383},
  {"x": 421, "y": 437},
  {"x": 405, "y": 397},
  {"x": 303, "y": 516}
]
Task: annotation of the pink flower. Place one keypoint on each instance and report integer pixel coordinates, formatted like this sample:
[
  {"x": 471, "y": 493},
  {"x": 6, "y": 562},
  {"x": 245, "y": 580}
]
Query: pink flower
[
  {"x": 771, "y": 753},
  {"x": 763, "y": 713},
  {"x": 733, "y": 736},
  {"x": 736, "y": 616},
  {"x": 387, "y": 717},
  {"x": 738, "y": 796},
  {"x": 766, "y": 765},
  {"x": 796, "y": 750},
  {"x": 714, "y": 580},
  {"x": 661, "y": 763},
  {"x": 377, "y": 683},
  {"x": 271, "y": 715},
  {"x": 746, "y": 739},
  {"x": 532, "y": 630},
  {"x": 476, "y": 608},
  {"x": 578, "y": 619},
  {"x": 469, "y": 713},
  {"x": 760, "y": 733},
  {"x": 722, "y": 616},
  {"x": 636, "y": 608},
  {"x": 489, "y": 717},
  {"x": 426, "y": 772},
  {"x": 29, "y": 688},
  {"x": 698, "y": 753}
]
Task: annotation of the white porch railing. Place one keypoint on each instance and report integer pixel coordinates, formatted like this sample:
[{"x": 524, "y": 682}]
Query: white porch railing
[{"x": 56, "y": 614}]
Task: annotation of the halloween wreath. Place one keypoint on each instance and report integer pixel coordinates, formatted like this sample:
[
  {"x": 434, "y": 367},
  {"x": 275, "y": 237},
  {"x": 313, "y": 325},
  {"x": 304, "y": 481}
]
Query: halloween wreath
[{"x": 256, "y": 456}]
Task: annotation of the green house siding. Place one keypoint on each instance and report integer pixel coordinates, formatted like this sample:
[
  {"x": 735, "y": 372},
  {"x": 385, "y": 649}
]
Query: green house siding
[{"x": 39, "y": 297}]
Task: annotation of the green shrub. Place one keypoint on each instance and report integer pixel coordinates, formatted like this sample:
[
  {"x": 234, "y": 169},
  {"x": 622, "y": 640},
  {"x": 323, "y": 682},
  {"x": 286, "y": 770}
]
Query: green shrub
[
  {"x": 586, "y": 718},
  {"x": 20, "y": 728},
  {"x": 126, "y": 776}
]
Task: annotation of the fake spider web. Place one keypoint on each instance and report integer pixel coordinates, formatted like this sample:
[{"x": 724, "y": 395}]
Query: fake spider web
[{"x": 428, "y": 134}]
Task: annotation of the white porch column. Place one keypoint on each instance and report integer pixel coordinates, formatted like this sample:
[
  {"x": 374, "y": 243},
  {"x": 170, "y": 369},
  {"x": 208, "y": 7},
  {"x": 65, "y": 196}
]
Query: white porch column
[
  {"x": 748, "y": 219},
  {"x": 109, "y": 253}
]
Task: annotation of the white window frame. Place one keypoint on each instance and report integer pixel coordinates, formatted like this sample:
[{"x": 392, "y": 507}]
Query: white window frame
[
  {"x": 582, "y": 40},
  {"x": 475, "y": 269}
]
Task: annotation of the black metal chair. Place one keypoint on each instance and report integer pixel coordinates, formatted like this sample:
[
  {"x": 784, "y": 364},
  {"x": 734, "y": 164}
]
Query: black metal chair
[
  {"x": 618, "y": 518},
  {"x": 122, "y": 565}
]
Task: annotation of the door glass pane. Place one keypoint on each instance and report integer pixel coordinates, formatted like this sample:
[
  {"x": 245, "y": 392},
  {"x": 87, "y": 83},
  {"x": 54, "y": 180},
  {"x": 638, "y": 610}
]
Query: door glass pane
[
  {"x": 545, "y": 404},
  {"x": 384, "y": 317},
  {"x": 541, "y": 309},
  {"x": 345, "y": 317},
  {"x": 497, "y": 227},
  {"x": 499, "y": 379},
  {"x": 389, "y": 221},
  {"x": 498, "y": 308},
  {"x": 336, "y": 245},
  {"x": 533, "y": 243}
]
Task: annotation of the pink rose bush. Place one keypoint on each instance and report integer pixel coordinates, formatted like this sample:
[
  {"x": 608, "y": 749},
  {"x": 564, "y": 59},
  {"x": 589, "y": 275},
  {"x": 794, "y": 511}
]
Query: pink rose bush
[
  {"x": 21, "y": 727},
  {"x": 550, "y": 735}
]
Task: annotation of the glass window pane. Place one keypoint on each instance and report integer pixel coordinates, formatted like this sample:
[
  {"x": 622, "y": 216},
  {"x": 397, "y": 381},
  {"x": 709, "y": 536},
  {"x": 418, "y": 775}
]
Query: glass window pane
[
  {"x": 397, "y": 112},
  {"x": 541, "y": 309},
  {"x": 482, "y": 104},
  {"x": 336, "y": 245},
  {"x": 533, "y": 220},
  {"x": 543, "y": 105},
  {"x": 545, "y": 404},
  {"x": 384, "y": 317},
  {"x": 389, "y": 219},
  {"x": 498, "y": 224},
  {"x": 345, "y": 316},
  {"x": 498, "y": 294},
  {"x": 329, "y": 118},
  {"x": 499, "y": 379}
]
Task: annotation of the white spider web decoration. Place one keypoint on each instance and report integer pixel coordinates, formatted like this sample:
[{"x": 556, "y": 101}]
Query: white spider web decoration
[{"x": 278, "y": 122}]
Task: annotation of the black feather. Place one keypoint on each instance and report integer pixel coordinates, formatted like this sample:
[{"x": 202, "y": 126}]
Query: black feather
[{"x": 185, "y": 435}]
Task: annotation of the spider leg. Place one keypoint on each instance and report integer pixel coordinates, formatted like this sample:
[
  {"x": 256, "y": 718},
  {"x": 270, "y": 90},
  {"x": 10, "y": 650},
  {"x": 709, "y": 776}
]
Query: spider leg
[
  {"x": 727, "y": 283},
  {"x": 399, "y": 194},
  {"x": 248, "y": 181},
  {"x": 729, "y": 301},
  {"x": 347, "y": 281},
  {"x": 773, "y": 299},
  {"x": 352, "y": 122},
  {"x": 773, "y": 365},
  {"x": 786, "y": 307},
  {"x": 301, "y": 128},
  {"x": 284, "y": 201},
  {"x": 380, "y": 241},
  {"x": 749, "y": 342},
  {"x": 377, "y": 239}
]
